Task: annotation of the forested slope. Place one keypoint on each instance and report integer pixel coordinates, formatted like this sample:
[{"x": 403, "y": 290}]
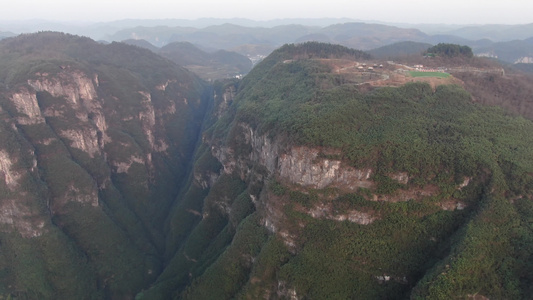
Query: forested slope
[
  {"x": 126, "y": 177},
  {"x": 316, "y": 189}
]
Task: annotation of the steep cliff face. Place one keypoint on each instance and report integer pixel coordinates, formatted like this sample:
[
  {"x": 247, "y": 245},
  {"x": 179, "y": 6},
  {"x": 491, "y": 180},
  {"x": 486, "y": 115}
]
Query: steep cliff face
[
  {"x": 305, "y": 169},
  {"x": 93, "y": 155},
  {"x": 313, "y": 189},
  {"x": 299, "y": 165}
]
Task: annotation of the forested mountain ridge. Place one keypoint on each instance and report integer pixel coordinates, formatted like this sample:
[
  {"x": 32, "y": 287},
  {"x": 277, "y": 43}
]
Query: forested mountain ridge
[
  {"x": 341, "y": 193},
  {"x": 310, "y": 179},
  {"x": 96, "y": 141}
]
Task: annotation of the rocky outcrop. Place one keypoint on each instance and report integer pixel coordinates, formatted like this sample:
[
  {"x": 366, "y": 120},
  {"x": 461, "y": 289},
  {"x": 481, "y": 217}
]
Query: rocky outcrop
[
  {"x": 451, "y": 205},
  {"x": 284, "y": 292},
  {"x": 81, "y": 94},
  {"x": 225, "y": 100},
  {"x": 10, "y": 177},
  {"x": 72, "y": 84},
  {"x": 96, "y": 144},
  {"x": 297, "y": 165},
  {"x": 524, "y": 60},
  {"x": 77, "y": 102},
  {"x": 401, "y": 177},
  {"x": 123, "y": 167},
  {"x": 84, "y": 139},
  {"x": 303, "y": 166},
  {"x": 325, "y": 211},
  {"x": 412, "y": 193},
  {"x": 22, "y": 218},
  {"x": 26, "y": 105},
  {"x": 147, "y": 117},
  {"x": 163, "y": 86},
  {"x": 77, "y": 195}
]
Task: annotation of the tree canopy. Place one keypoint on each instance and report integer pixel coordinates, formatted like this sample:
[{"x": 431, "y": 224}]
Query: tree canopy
[{"x": 450, "y": 50}]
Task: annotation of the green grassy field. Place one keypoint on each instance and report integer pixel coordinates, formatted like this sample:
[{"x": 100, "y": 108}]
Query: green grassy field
[{"x": 429, "y": 74}]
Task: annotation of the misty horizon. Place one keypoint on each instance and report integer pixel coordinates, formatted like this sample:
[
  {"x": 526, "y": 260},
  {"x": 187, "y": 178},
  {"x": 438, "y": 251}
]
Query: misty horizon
[{"x": 512, "y": 12}]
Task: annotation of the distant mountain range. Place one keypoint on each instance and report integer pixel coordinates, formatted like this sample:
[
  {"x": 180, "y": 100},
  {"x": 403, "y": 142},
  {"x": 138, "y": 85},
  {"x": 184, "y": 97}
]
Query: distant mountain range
[
  {"x": 208, "y": 65},
  {"x": 516, "y": 51},
  {"x": 497, "y": 33},
  {"x": 399, "y": 49},
  {"x": 228, "y": 36},
  {"x": 509, "y": 43}
]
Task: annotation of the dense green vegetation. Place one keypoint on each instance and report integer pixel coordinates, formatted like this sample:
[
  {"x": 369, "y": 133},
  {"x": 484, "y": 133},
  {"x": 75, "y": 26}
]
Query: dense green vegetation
[
  {"x": 410, "y": 128},
  {"x": 449, "y": 50},
  {"x": 208, "y": 220},
  {"x": 413, "y": 248}
]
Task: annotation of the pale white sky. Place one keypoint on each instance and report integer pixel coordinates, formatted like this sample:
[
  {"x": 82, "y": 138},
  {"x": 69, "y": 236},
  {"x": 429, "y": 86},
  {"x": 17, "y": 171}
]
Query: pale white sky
[{"x": 406, "y": 11}]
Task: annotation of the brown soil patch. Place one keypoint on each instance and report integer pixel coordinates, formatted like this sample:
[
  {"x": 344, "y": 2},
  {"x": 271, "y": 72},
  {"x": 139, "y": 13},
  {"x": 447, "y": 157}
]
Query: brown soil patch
[{"x": 357, "y": 72}]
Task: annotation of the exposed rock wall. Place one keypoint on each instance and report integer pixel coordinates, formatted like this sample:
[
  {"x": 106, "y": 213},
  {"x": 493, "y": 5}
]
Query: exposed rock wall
[
  {"x": 325, "y": 211},
  {"x": 96, "y": 144},
  {"x": 79, "y": 118},
  {"x": 296, "y": 164},
  {"x": 303, "y": 166},
  {"x": 85, "y": 140},
  {"x": 74, "y": 85},
  {"x": 10, "y": 176},
  {"x": 22, "y": 218},
  {"x": 27, "y": 106}
]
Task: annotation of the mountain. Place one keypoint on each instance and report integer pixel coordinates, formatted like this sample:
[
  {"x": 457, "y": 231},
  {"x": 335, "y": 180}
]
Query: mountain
[
  {"x": 524, "y": 67},
  {"x": 261, "y": 37},
  {"x": 317, "y": 187},
  {"x": 506, "y": 41},
  {"x": 229, "y": 36},
  {"x": 516, "y": 51},
  {"x": 96, "y": 142},
  {"x": 125, "y": 176},
  {"x": 141, "y": 43},
  {"x": 157, "y": 35},
  {"x": 399, "y": 49},
  {"x": 494, "y": 32},
  {"x": 368, "y": 36},
  {"x": 209, "y": 66}
]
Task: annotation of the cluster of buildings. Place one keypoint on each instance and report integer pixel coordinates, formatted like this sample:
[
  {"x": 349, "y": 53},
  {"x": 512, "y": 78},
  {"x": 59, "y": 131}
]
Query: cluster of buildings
[{"x": 364, "y": 67}]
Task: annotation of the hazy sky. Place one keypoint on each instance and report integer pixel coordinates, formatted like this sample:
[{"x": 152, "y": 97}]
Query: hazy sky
[{"x": 406, "y": 11}]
